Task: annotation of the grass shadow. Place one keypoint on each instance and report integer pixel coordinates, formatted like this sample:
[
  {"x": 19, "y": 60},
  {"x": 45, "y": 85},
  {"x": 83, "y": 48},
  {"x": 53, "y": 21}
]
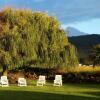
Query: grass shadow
[{"x": 29, "y": 95}]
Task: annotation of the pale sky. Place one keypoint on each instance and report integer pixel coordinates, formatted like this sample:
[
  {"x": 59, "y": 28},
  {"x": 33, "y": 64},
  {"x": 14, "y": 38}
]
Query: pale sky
[
  {"x": 81, "y": 14},
  {"x": 91, "y": 26}
]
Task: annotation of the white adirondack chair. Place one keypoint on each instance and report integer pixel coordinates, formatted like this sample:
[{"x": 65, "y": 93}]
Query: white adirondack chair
[
  {"x": 58, "y": 80},
  {"x": 41, "y": 81},
  {"x": 22, "y": 82},
  {"x": 4, "y": 81}
]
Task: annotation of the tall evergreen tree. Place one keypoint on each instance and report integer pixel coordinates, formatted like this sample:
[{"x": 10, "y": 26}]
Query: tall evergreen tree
[{"x": 95, "y": 55}]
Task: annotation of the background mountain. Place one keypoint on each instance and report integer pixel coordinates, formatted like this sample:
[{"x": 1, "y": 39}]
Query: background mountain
[
  {"x": 84, "y": 44},
  {"x": 74, "y": 32}
]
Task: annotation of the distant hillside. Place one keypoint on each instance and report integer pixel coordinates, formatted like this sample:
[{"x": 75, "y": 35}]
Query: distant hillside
[
  {"x": 74, "y": 32},
  {"x": 85, "y": 43}
]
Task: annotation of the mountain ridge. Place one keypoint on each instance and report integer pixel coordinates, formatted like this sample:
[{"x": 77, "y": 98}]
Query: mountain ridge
[
  {"x": 71, "y": 31},
  {"x": 84, "y": 44}
]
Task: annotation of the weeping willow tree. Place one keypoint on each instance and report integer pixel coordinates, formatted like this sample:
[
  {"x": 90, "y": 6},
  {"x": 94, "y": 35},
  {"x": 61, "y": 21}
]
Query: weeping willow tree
[{"x": 33, "y": 39}]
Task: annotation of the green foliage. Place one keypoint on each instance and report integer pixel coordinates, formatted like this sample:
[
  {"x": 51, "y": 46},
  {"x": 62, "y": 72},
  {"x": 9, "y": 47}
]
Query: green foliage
[
  {"x": 95, "y": 55},
  {"x": 34, "y": 39}
]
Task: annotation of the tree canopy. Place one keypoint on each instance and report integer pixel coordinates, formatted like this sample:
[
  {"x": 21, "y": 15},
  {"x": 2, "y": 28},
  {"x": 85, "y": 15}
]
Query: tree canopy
[
  {"x": 95, "y": 55},
  {"x": 33, "y": 39}
]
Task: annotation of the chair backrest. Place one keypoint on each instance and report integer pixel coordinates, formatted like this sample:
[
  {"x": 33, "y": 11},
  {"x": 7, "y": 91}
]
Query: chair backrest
[
  {"x": 58, "y": 77},
  {"x": 41, "y": 78},
  {"x": 21, "y": 79},
  {"x": 3, "y": 77}
]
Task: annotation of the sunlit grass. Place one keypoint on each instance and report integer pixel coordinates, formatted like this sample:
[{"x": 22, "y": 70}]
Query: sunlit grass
[
  {"x": 49, "y": 92},
  {"x": 79, "y": 69},
  {"x": 87, "y": 69}
]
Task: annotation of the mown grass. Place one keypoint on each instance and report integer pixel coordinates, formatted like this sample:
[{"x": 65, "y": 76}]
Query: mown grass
[
  {"x": 49, "y": 92},
  {"x": 70, "y": 91}
]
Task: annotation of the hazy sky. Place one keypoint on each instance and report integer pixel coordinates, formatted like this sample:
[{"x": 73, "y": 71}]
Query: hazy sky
[{"x": 81, "y": 14}]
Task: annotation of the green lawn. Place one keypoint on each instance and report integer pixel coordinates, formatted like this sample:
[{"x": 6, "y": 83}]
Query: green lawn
[{"x": 66, "y": 92}]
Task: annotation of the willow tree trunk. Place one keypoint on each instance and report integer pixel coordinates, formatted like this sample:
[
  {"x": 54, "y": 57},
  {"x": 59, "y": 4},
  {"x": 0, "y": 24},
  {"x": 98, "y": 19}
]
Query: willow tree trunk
[{"x": 5, "y": 70}]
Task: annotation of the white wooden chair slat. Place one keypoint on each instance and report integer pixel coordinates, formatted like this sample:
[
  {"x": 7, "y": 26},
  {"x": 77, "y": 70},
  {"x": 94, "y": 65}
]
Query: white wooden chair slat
[
  {"x": 58, "y": 80},
  {"x": 41, "y": 81},
  {"x": 4, "y": 81},
  {"x": 22, "y": 82}
]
